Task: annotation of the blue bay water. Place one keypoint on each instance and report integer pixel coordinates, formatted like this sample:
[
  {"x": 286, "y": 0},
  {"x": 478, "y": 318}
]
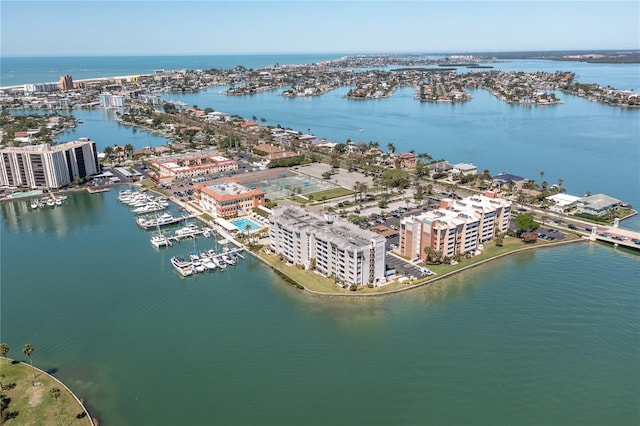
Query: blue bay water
[
  {"x": 547, "y": 337},
  {"x": 21, "y": 70}
]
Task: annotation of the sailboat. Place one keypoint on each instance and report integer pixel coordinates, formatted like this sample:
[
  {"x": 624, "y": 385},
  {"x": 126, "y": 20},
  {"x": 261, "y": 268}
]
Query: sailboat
[{"x": 159, "y": 239}]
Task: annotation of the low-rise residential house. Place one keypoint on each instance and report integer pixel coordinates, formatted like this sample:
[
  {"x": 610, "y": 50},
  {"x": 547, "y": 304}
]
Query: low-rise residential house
[
  {"x": 464, "y": 169},
  {"x": 273, "y": 152},
  {"x": 597, "y": 204},
  {"x": 407, "y": 160}
]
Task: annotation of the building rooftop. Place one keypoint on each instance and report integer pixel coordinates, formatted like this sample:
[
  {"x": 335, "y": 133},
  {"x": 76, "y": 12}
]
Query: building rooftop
[
  {"x": 599, "y": 201},
  {"x": 345, "y": 236}
]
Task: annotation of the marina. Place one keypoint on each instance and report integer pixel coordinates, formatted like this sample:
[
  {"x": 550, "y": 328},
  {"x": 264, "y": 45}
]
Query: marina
[
  {"x": 219, "y": 257},
  {"x": 205, "y": 261}
]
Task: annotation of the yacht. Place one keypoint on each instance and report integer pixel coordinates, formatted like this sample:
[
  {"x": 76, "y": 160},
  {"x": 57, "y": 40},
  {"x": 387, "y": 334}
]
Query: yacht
[
  {"x": 187, "y": 231},
  {"x": 208, "y": 263},
  {"x": 198, "y": 266},
  {"x": 184, "y": 267},
  {"x": 160, "y": 240}
]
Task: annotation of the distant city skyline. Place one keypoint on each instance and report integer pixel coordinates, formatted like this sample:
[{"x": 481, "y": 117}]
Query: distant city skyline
[{"x": 104, "y": 28}]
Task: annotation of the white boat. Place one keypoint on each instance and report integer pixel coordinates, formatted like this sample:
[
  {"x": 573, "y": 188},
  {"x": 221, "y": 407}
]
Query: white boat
[
  {"x": 35, "y": 204},
  {"x": 198, "y": 266},
  {"x": 51, "y": 202},
  {"x": 221, "y": 263},
  {"x": 187, "y": 231},
  {"x": 148, "y": 208},
  {"x": 208, "y": 263},
  {"x": 184, "y": 267},
  {"x": 160, "y": 240},
  {"x": 162, "y": 220}
]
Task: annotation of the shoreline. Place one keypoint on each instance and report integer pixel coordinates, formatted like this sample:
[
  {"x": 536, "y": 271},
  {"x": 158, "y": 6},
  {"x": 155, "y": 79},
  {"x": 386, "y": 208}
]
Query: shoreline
[
  {"x": 92, "y": 421},
  {"x": 304, "y": 289}
]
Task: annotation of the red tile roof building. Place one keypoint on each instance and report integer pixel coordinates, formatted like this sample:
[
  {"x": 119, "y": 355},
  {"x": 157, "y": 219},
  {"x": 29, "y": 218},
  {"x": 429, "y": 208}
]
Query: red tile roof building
[
  {"x": 228, "y": 199},
  {"x": 190, "y": 166}
]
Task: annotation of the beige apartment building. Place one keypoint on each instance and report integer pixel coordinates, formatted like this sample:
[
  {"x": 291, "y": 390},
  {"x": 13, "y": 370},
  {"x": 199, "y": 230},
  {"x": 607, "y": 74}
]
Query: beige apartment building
[{"x": 457, "y": 227}]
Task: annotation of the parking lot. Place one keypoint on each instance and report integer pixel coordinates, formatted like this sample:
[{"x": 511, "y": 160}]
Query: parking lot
[{"x": 403, "y": 267}]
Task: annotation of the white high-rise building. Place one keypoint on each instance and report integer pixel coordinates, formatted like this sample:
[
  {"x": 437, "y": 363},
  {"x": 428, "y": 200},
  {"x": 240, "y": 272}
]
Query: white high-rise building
[
  {"x": 48, "y": 166},
  {"x": 341, "y": 249},
  {"x": 107, "y": 100}
]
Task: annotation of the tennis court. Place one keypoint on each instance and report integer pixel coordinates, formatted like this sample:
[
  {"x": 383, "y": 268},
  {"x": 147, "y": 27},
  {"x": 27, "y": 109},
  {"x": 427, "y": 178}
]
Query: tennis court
[{"x": 285, "y": 186}]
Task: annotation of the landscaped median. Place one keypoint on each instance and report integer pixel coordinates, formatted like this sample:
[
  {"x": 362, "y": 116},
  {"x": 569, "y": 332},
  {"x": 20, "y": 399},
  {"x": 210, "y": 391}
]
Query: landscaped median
[
  {"x": 319, "y": 285},
  {"x": 24, "y": 403}
]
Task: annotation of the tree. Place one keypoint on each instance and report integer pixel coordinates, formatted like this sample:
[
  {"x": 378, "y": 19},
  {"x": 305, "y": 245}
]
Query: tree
[
  {"x": 541, "y": 175},
  {"x": 28, "y": 349},
  {"x": 108, "y": 151},
  {"x": 247, "y": 230},
  {"x": 500, "y": 239},
  {"x": 391, "y": 147},
  {"x": 428, "y": 251},
  {"x": 524, "y": 221},
  {"x": 169, "y": 108},
  {"x": 128, "y": 149},
  {"x": 4, "y": 349},
  {"x": 419, "y": 193},
  {"x": 55, "y": 393}
]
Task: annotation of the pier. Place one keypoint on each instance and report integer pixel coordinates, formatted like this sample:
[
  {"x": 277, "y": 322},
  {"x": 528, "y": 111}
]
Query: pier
[{"x": 617, "y": 236}]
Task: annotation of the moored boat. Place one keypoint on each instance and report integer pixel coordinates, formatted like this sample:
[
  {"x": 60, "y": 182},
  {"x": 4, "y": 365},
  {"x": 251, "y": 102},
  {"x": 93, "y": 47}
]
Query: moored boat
[{"x": 184, "y": 267}]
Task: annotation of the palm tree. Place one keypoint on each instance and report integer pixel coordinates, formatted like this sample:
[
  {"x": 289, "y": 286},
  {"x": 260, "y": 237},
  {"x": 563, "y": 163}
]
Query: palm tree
[
  {"x": 247, "y": 229},
  {"x": 128, "y": 149},
  {"x": 28, "y": 349},
  {"x": 391, "y": 147},
  {"x": 55, "y": 393},
  {"x": 541, "y": 175}
]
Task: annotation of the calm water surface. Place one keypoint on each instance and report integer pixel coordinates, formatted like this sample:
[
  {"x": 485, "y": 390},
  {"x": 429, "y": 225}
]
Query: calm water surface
[{"x": 548, "y": 337}]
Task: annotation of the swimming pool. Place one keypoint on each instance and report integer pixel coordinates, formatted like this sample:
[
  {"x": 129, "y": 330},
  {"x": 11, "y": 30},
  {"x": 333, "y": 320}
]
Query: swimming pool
[
  {"x": 26, "y": 194},
  {"x": 241, "y": 224}
]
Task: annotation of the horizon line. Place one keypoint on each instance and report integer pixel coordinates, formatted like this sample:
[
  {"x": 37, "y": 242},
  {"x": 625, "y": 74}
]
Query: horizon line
[{"x": 406, "y": 52}]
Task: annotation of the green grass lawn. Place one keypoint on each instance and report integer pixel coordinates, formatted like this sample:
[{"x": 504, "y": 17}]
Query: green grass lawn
[
  {"x": 329, "y": 194},
  {"x": 34, "y": 405},
  {"x": 316, "y": 282},
  {"x": 298, "y": 199}
]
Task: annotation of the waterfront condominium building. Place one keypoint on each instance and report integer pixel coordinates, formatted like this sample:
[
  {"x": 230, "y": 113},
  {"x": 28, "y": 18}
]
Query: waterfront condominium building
[
  {"x": 108, "y": 100},
  {"x": 342, "y": 250},
  {"x": 48, "y": 166},
  {"x": 457, "y": 227},
  {"x": 65, "y": 82},
  {"x": 228, "y": 199}
]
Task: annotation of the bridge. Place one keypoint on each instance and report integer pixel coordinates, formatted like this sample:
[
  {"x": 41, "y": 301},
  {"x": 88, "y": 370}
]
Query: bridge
[{"x": 617, "y": 236}]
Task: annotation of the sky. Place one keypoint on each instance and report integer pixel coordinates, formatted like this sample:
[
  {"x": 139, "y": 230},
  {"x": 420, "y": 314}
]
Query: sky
[{"x": 151, "y": 27}]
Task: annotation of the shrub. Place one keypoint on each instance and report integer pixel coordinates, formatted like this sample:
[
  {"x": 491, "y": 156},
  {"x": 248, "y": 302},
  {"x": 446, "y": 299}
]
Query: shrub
[{"x": 353, "y": 287}]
